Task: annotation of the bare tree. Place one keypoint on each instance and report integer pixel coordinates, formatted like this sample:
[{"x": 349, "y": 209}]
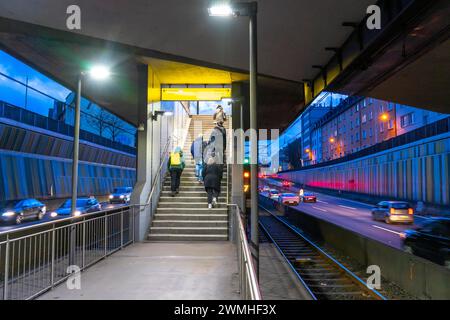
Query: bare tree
[
  {"x": 115, "y": 126},
  {"x": 99, "y": 120}
]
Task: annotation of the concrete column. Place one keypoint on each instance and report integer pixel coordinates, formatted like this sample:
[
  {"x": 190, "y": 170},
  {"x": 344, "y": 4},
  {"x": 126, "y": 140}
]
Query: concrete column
[{"x": 144, "y": 157}]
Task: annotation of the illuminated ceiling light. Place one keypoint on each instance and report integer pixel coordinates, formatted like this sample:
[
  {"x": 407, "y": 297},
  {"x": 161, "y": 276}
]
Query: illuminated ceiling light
[{"x": 99, "y": 72}]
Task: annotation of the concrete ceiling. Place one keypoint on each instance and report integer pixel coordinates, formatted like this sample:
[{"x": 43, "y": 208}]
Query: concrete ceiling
[
  {"x": 292, "y": 33},
  {"x": 431, "y": 89},
  {"x": 177, "y": 36}
]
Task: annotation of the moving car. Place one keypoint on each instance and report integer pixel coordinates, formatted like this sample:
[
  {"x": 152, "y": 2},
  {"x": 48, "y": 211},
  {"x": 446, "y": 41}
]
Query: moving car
[
  {"x": 21, "y": 210},
  {"x": 121, "y": 195},
  {"x": 309, "y": 197},
  {"x": 393, "y": 211},
  {"x": 83, "y": 205},
  {"x": 289, "y": 199},
  {"x": 286, "y": 184},
  {"x": 430, "y": 241},
  {"x": 274, "y": 194}
]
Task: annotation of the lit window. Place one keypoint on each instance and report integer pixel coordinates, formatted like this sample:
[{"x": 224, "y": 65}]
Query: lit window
[
  {"x": 364, "y": 118},
  {"x": 391, "y": 124},
  {"x": 407, "y": 120}
]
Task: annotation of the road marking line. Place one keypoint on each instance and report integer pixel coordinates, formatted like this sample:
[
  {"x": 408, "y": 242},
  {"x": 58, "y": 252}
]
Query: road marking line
[
  {"x": 322, "y": 201},
  {"x": 320, "y": 209},
  {"x": 388, "y": 230},
  {"x": 346, "y": 207}
]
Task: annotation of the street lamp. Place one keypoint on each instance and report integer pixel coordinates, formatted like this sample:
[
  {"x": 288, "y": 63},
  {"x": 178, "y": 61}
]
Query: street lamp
[
  {"x": 98, "y": 72},
  {"x": 225, "y": 8},
  {"x": 332, "y": 140}
]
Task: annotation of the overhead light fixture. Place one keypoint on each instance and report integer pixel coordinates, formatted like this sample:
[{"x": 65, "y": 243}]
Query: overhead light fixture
[
  {"x": 221, "y": 9},
  {"x": 99, "y": 72}
]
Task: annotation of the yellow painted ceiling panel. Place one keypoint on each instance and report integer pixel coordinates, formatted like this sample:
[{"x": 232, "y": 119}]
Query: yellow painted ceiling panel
[{"x": 170, "y": 72}]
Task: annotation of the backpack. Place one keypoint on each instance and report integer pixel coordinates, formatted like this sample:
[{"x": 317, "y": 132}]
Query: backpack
[{"x": 175, "y": 159}]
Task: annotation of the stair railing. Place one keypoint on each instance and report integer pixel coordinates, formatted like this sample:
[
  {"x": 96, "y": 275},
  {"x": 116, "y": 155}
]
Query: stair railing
[{"x": 248, "y": 280}]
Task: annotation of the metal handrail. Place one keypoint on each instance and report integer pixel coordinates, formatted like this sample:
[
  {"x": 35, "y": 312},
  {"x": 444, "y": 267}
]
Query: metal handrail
[
  {"x": 31, "y": 263},
  {"x": 248, "y": 280}
]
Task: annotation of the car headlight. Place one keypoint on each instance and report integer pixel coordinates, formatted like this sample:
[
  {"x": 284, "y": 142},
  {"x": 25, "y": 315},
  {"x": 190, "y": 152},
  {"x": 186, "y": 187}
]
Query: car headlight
[
  {"x": 8, "y": 214},
  {"x": 111, "y": 196},
  {"x": 77, "y": 213},
  {"x": 122, "y": 196},
  {"x": 53, "y": 214}
]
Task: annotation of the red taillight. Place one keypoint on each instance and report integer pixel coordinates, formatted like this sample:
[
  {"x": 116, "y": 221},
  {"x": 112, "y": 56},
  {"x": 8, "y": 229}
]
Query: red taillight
[{"x": 410, "y": 211}]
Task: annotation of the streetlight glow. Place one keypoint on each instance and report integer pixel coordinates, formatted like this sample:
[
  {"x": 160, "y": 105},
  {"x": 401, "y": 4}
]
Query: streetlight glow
[
  {"x": 384, "y": 117},
  {"x": 99, "y": 72},
  {"x": 332, "y": 140},
  {"x": 221, "y": 10}
]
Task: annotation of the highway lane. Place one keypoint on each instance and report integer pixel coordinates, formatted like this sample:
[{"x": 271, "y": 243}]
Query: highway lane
[
  {"x": 47, "y": 218},
  {"x": 350, "y": 214}
]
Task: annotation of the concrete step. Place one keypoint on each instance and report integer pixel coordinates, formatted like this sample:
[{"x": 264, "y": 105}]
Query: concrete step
[
  {"x": 189, "y": 230},
  {"x": 188, "y": 199},
  {"x": 188, "y": 205},
  {"x": 191, "y": 223},
  {"x": 192, "y": 210},
  {"x": 183, "y": 194},
  {"x": 187, "y": 237},
  {"x": 198, "y": 187},
  {"x": 191, "y": 217},
  {"x": 185, "y": 183}
]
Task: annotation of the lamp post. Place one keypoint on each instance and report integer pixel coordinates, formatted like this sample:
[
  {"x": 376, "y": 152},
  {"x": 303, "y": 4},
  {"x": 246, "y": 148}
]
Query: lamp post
[
  {"x": 248, "y": 9},
  {"x": 97, "y": 73}
]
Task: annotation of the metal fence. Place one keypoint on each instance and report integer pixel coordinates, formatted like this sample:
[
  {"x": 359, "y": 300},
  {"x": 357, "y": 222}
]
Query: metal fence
[
  {"x": 21, "y": 115},
  {"x": 248, "y": 280},
  {"x": 34, "y": 259}
]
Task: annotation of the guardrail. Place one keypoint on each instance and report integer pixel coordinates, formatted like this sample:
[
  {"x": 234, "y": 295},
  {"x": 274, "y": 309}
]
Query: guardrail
[
  {"x": 34, "y": 259},
  {"x": 248, "y": 280},
  {"x": 18, "y": 114}
]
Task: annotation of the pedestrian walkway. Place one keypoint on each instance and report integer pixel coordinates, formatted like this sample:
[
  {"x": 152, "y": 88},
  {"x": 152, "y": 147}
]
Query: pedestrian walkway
[{"x": 160, "y": 271}]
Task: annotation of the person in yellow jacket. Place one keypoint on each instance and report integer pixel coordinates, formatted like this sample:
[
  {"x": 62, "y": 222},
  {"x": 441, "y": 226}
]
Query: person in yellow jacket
[{"x": 176, "y": 165}]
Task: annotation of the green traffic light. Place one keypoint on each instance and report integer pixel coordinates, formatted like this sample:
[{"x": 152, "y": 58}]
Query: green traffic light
[{"x": 246, "y": 160}]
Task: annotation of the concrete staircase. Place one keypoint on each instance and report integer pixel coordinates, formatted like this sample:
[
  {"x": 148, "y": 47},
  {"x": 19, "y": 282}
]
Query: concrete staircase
[{"x": 186, "y": 216}]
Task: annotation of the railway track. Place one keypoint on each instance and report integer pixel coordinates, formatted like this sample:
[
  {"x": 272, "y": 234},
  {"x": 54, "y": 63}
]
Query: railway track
[{"x": 323, "y": 276}]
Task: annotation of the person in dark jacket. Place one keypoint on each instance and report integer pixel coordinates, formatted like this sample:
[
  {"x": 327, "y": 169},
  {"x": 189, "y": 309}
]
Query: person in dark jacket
[{"x": 212, "y": 177}]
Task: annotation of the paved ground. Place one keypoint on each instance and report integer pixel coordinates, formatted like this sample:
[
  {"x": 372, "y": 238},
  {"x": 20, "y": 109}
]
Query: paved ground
[
  {"x": 160, "y": 271},
  {"x": 352, "y": 215}
]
